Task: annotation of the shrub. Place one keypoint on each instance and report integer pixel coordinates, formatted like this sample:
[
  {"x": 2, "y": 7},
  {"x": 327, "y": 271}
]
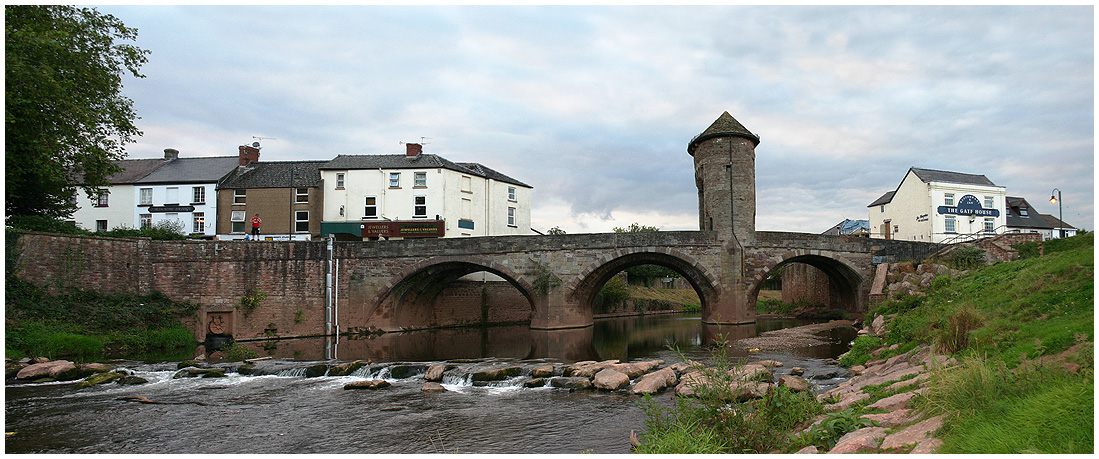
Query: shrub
[
  {"x": 613, "y": 293},
  {"x": 832, "y": 428},
  {"x": 955, "y": 337},
  {"x": 965, "y": 257},
  {"x": 236, "y": 352},
  {"x": 860, "y": 351}
]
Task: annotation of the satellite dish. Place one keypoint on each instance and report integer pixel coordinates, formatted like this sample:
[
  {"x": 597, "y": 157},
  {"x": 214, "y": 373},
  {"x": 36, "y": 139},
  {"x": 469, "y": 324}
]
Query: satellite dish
[{"x": 255, "y": 144}]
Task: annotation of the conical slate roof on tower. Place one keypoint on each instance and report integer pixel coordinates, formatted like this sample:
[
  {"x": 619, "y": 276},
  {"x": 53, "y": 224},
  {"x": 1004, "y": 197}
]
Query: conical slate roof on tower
[{"x": 725, "y": 126}]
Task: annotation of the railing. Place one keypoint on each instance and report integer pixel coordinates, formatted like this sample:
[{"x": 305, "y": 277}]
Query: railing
[{"x": 970, "y": 237}]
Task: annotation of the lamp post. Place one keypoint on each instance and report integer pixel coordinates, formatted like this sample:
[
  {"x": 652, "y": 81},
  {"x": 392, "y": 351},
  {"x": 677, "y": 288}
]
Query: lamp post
[{"x": 1060, "y": 214}]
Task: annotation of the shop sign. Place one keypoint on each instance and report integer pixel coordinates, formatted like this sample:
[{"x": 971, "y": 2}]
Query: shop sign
[
  {"x": 172, "y": 209},
  {"x": 969, "y": 205},
  {"x": 403, "y": 229}
]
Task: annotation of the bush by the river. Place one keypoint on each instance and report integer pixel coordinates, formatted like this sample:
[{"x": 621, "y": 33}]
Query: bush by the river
[{"x": 85, "y": 325}]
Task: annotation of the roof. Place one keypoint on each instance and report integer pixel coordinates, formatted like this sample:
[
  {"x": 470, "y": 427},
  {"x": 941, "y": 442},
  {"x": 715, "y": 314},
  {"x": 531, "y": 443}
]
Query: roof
[
  {"x": 848, "y": 226},
  {"x": 1056, "y": 223},
  {"x": 1016, "y": 219},
  {"x": 724, "y": 126},
  {"x": 422, "y": 161},
  {"x": 884, "y": 199},
  {"x": 929, "y": 175},
  {"x": 192, "y": 170},
  {"x": 132, "y": 170},
  {"x": 274, "y": 174}
]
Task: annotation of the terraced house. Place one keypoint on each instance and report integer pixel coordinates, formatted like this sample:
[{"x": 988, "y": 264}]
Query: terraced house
[
  {"x": 372, "y": 197},
  {"x": 287, "y": 195}
]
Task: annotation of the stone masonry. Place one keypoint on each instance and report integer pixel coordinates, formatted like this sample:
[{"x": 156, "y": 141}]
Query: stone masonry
[{"x": 410, "y": 284}]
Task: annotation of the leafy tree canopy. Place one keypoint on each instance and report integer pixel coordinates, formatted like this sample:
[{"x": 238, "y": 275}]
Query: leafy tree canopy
[
  {"x": 645, "y": 271},
  {"x": 65, "y": 116},
  {"x": 555, "y": 230}
]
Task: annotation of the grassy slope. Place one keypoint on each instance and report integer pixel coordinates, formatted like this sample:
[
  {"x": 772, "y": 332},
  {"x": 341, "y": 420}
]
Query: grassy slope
[
  {"x": 1012, "y": 325},
  {"x": 686, "y": 297}
]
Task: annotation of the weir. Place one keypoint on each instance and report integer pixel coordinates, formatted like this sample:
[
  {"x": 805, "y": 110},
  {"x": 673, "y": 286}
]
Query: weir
[{"x": 319, "y": 288}]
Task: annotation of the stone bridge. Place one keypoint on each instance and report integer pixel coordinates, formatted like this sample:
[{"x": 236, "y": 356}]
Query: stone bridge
[{"x": 326, "y": 287}]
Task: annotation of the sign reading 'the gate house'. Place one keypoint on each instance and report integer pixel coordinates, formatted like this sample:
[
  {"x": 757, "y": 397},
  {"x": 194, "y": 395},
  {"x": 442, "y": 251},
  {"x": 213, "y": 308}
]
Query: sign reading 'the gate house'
[{"x": 969, "y": 205}]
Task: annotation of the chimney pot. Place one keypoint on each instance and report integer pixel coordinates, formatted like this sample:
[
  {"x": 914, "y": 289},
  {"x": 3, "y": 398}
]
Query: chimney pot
[
  {"x": 413, "y": 149},
  {"x": 171, "y": 153},
  {"x": 248, "y": 154}
]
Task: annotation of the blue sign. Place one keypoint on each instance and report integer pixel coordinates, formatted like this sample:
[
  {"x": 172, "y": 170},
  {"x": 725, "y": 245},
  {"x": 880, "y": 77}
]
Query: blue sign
[
  {"x": 969, "y": 205},
  {"x": 467, "y": 224}
]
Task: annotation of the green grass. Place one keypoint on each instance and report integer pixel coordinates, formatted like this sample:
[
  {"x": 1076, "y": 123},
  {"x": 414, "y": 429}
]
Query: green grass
[
  {"x": 999, "y": 321},
  {"x": 85, "y": 326}
]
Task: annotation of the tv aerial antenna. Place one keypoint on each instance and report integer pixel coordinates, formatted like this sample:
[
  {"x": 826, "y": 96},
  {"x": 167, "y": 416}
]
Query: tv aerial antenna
[
  {"x": 256, "y": 143},
  {"x": 423, "y": 140}
]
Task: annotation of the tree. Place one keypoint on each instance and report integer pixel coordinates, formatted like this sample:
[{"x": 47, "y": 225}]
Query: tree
[
  {"x": 645, "y": 272},
  {"x": 65, "y": 116},
  {"x": 556, "y": 230}
]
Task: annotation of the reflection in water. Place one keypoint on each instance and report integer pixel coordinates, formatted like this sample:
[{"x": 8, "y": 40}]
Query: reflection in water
[{"x": 621, "y": 338}]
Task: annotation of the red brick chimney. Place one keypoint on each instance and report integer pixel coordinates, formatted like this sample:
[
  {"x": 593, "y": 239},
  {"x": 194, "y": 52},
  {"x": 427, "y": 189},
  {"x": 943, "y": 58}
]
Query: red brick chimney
[
  {"x": 248, "y": 154},
  {"x": 413, "y": 149}
]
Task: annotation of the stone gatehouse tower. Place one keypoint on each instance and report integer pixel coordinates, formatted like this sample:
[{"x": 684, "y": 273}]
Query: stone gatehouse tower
[{"x": 725, "y": 174}]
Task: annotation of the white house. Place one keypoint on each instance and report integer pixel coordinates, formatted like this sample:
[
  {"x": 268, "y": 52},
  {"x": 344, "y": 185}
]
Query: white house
[
  {"x": 184, "y": 190},
  {"x": 936, "y": 206},
  {"x": 420, "y": 195},
  {"x": 113, "y": 207}
]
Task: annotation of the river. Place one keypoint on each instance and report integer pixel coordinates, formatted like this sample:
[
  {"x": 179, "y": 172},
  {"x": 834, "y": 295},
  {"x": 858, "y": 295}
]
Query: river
[{"x": 289, "y": 413}]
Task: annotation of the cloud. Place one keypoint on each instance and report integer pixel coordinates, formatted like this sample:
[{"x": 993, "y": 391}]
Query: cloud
[{"x": 594, "y": 106}]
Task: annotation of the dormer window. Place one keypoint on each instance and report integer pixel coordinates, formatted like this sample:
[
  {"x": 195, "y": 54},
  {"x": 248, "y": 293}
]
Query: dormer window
[{"x": 1022, "y": 212}]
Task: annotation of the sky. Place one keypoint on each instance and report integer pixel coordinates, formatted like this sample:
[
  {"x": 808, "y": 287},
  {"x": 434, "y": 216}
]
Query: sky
[{"x": 594, "y": 106}]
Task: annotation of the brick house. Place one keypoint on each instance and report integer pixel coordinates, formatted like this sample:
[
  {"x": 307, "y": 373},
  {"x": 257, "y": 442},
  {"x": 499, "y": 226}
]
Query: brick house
[{"x": 287, "y": 195}]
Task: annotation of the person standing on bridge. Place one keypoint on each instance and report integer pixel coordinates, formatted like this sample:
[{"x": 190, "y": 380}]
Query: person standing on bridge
[{"x": 255, "y": 227}]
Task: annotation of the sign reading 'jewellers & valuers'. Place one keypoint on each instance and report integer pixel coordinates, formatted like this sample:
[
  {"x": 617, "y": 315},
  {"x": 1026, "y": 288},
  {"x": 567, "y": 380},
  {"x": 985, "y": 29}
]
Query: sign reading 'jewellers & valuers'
[
  {"x": 403, "y": 229},
  {"x": 969, "y": 205}
]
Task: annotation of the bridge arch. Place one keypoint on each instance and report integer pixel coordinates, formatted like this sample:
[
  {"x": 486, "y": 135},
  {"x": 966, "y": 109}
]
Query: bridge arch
[
  {"x": 584, "y": 287},
  {"x": 846, "y": 284},
  {"x": 409, "y": 300}
]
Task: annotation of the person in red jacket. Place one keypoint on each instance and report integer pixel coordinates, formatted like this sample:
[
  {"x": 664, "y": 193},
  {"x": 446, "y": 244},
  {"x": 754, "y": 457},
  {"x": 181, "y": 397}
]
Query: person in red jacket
[{"x": 255, "y": 226}]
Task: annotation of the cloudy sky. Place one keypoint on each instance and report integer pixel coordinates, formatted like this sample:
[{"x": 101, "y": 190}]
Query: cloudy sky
[{"x": 594, "y": 106}]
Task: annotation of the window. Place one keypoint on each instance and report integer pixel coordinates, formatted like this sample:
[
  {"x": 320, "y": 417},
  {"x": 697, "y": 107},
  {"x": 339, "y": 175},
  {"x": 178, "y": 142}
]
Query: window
[
  {"x": 172, "y": 196},
  {"x": 101, "y": 199},
  {"x": 467, "y": 208},
  {"x": 949, "y": 199},
  {"x": 467, "y": 184},
  {"x": 301, "y": 221},
  {"x": 990, "y": 226},
  {"x": 882, "y": 209},
  {"x": 339, "y": 180},
  {"x": 237, "y": 219},
  {"x": 198, "y": 195},
  {"x": 420, "y": 180},
  {"x": 989, "y": 202},
  {"x": 511, "y": 193},
  {"x": 198, "y": 223},
  {"x": 146, "y": 195},
  {"x": 371, "y": 210},
  {"x": 511, "y": 216},
  {"x": 951, "y": 225},
  {"x": 419, "y": 210},
  {"x": 394, "y": 179},
  {"x": 239, "y": 196},
  {"x": 146, "y": 220},
  {"x": 101, "y": 225},
  {"x": 1022, "y": 212},
  {"x": 301, "y": 195}
]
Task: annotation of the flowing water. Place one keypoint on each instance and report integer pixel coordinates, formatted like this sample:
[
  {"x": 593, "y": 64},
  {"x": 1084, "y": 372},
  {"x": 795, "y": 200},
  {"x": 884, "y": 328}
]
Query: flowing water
[{"x": 287, "y": 412}]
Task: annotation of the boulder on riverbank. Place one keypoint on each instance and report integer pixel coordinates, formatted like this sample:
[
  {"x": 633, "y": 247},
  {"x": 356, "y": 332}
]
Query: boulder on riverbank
[{"x": 655, "y": 382}]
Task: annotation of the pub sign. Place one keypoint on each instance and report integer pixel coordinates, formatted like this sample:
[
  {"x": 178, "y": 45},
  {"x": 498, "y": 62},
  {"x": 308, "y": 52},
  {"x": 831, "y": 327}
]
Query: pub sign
[{"x": 969, "y": 205}]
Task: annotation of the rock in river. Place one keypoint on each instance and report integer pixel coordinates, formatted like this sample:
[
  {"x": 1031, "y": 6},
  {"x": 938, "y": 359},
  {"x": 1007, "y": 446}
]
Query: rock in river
[
  {"x": 608, "y": 379},
  {"x": 367, "y": 384}
]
